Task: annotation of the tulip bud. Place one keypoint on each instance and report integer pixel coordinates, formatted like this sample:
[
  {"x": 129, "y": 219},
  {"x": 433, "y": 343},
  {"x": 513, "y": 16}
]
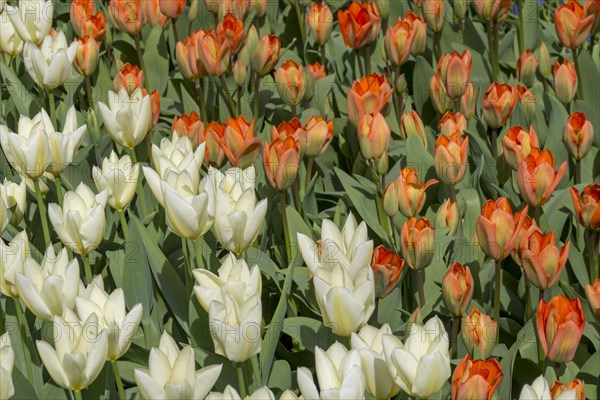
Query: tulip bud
[
  {"x": 373, "y": 135},
  {"x": 544, "y": 57},
  {"x": 492, "y": 10},
  {"x": 387, "y": 267},
  {"x": 316, "y": 136},
  {"x": 398, "y": 42},
  {"x": 572, "y": 25},
  {"x": 252, "y": 40},
  {"x": 93, "y": 127},
  {"x": 152, "y": 14},
  {"x": 517, "y": 144},
  {"x": 574, "y": 390},
  {"x": 193, "y": 11},
  {"x": 240, "y": 72},
  {"x": 384, "y": 8},
  {"x": 479, "y": 330},
  {"x": 497, "y": 229},
  {"x": 281, "y": 159},
  {"x": 309, "y": 84},
  {"x": 536, "y": 177},
  {"x": 565, "y": 81},
  {"x": 400, "y": 84},
  {"x": 368, "y": 95},
  {"x": 560, "y": 325},
  {"x": 592, "y": 293},
  {"x": 467, "y": 101},
  {"x": 129, "y": 78},
  {"x": 320, "y": 21},
  {"x": 382, "y": 164},
  {"x": 447, "y": 216},
  {"x": 460, "y": 8},
  {"x": 435, "y": 14},
  {"x": 451, "y": 158},
  {"x": 411, "y": 194},
  {"x": 266, "y": 54},
  {"x": 390, "y": 199},
  {"x": 419, "y": 26},
  {"x": 452, "y": 122},
  {"x": 412, "y": 125},
  {"x": 541, "y": 259},
  {"x": 476, "y": 380},
  {"x": 86, "y": 59},
  {"x": 457, "y": 289},
  {"x": 578, "y": 135},
  {"x": 417, "y": 239},
  {"x": 439, "y": 96},
  {"x": 128, "y": 15},
  {"x": 360, "y": 24},
  {"x": 498, "y": 104},
  {"x": 593, "y": 8},
  {"x": 527, "y": 64},
  {"x": 290, "y": 83},
  {"x": 587, "y": 207}
]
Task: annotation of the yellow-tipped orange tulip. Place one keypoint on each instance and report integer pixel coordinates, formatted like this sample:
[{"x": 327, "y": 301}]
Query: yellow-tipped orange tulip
[
  {"x": 398, "y": 42},
  {"x": 410, "y": 192},
  {"x": 497, "y": 228},
  {"x": 86, "y": 59},
  {"x": 457, "y": 289},
  {"x": 239, "y": 144},
  {"x": 213, "y": 137},
  {"x": 476, "y": 380},
  {"x": 412, "y": 125},
  {"x": 572, "y": 25},
  {"x": 152, "y": 14},
  {"x": 86, "y": 21},
  {"x": 320, "y": 21},
  {"x": 593, "y": 8},
  {"x": 214, "y": 52},
  {"x": 417, "y": 239},
  {"x": 128, "y": 15},
  {"x": 560, "y": 325},
  {"x": 528, "y": 222},
  {"x": 498, "y": 104},
  {"x": 467, "y": 101},
  {"x": 492, "y": 10},
  {"x": 541, "y": 259},
  {"x": 447, "y": 216},
  {"x": 316, "y": 136},
  {"x": 452, "y": 122},
  {"x": 387, "y": 267},
  {"x": 451, "y": 158},
  {"x": 527, "y": 64},
  {"x": 281, "y": 159},
  {"x": 291, "y": 85},
  {"x": 455, "y": 72},
  {"x": 536, "y": 177},
  {"x": 565, "y": 81},
  {"x": 578, "y": 135},
  {"x": 231, "y": 29},
  {"x": 190, "y": 126},
  {"x": 373, "y": 135},
  {"x": 439, "y": 96},
  {"x": 368, "y": 95},
  {"x": 517, "y": 144},
  {"x": 575, "y": 387},
  {"x": 419, "y": 27},
  {"x": 479, "y": 330},
  {"x": 587, "y": 206},
  {"x": 435, "y": 14},
  {"x": 592, "y": 293},
  {"x": 360, "y": 24},
  {"x": 266, "y": 54},
  {"x": 129, "y": 78},
  {"x": 317, "y": 70}
]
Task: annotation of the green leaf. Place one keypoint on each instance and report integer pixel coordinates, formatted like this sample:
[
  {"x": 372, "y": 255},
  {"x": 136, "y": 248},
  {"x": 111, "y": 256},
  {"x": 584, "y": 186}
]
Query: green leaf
[
  {"x": 156, "y": 59},
  {"x": 19, "y": 94},
  {"x": 137, "y": 276}
]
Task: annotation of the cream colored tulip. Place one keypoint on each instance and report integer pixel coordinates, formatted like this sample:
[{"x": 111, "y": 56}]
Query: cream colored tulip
[
  {"x": 119, "y": 177},
  {"x": 119, "y": 325},
  {"x": 262, "y": 393},
  {"x": 32, "y": 19},
  {"x": 128, "y": 119},
  {"x": 81, "y": 221},
  {"x": 12, "y": 261},
  {"x": 63, "y": 145},
  {"x": 14, "y": 198},
  {"x": 51, "y": 64},
  {"x": 10, "y": 41},
  {"x": 538, "y": 390},
  {"x": 48, "y": 288},
  {"x": 172, "y": 373},
  {"x": 7, "y": 362},
  {"x": 177, "y": 154},
  {"x": 79, "y": 351}
]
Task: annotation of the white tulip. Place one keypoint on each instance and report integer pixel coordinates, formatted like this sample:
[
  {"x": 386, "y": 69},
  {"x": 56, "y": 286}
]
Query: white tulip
[
  {"x": 119, "y": 177},
  {"x": 338, "y": 375},
  {"x": 289, "y": 395},
  {"x": 177, "y": 154},
  {"x": 63, "y": 145},
  {"x": 46, "y": 289},
  {"x": 262, "y": 393},
  {"x": 44, "y": 189},
  {"x": 79, "y": 351},
  {"x": 14, "y": 198},
  {"x": 239, "y": 218},
  {"x": 51, "y": 64},
  {"x": 120, "y": 326},
  {"x": 421, "y": 365},
  {"x": 128, "y": 119},
  {"x": 172, "y": 374},
  {"x": 32, "y": 19},
  {"x": 12, "y": 261},
  {"x": 7, "y": 362},
  {"x": 81, "y": 221},
  {"x": 369, "y": 347},
  {"x": 538, "y": 390},
  {"x": 570, "y": 394},
  {"x": 233, "y": 273},
  {"x": 10, "y": 41}
]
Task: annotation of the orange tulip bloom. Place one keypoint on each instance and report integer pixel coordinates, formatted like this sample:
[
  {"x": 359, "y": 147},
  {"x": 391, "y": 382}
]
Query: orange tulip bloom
[
  {"x": 172, "y": 8},
  {"x": 587, "y": 207},
  {"x": 286, "y": 129},
  {"x": 560, "y": 325},
  {"x": 320, "y": 21},
  {"x": 232, "y": 29},
  {"x": 419, "y": 27},
  {"x": 565, "y": 81},
  {"x": 188, "y": 57},
  {"x": 214, "y": 53},
  {"x": 593, "y": 8},
  {"x": 86, "y": 59},
  {"x": 373, "y": 135},
  {"x": 387, "y": 267},
  {"x": 527, "y": 64},
  {"x": 451, "y": 158},
  {"x": 128, "y": 15},
  {"x": 360, "y": 24},
  {"x": 239, "y": 144},
  {"x": 152, "y": 13},
  {"x": 447, "y": 216},
  {"x": 417, "y": 239},
  {"x": 266, "y": 54},
  {"x": 497, "y": 228},
  {"x": 541, "y": 259},
  {"x": 317, "y": 70},
  {"x": 155, "y": 103},
  {"x": 398, "y": 41},
  {"x": 212, "y": 137},
  {"x": 455, "y": 72},
  {"x": 572, "y": 25},
  {"x": 435, "y": 14},
  {"x": 452, "y": 122},
  {"x": 129, "y": 77},
  {"x": 467, "y": 101},
  {"x": 410, "y": 192},
  {"x": 592, "y": 293},
  {"x": 578, "y": 135},
  {"x": 290, "y": 81},
  {"x": 190, "y": 126},
  {"x": 479, "y": 330},
  {"x": 85, "y": 20},
  {"x": 498, "y": 104},
  {"x": 316, "y": 136},
  {"x": 536, "y": 177},
  {"x": 476, "y": 380},
  {"x": 517, "y": 145},
  {"x": 281, "y": 159},
  {"x": 369, "y": 95},
  {"x": 492, "y": 10},
  {"x": 528, "y": 222},
  {"x": 457, "y": 289},
  {"x": 575, "y": 386}
]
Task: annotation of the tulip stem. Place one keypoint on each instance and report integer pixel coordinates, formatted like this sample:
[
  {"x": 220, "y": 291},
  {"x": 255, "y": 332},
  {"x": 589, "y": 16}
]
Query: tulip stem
[
  {"x": 593, "y": 239},
  {"x": 309, "y": 168},
  {"x": 42, "y": 209},
  {"x": 52, "y": 108},
  {"x": 454, "y": 344},
  {"x": 59, "y": 191},
  {"x": 23, "y": 333},
  {"x": 186, "y": 265},
  {"x": 368, "y": 59},
  {"x": 202, "y": 100},
  {"x": 300, "y": 16},
  {"x": 323, "y": 58},
  {"x": 577, "y": 172},
  {"x": 421, "y": 289},
  {"x": 521, "y": 27},
  {"x": 492, "y": 34},
  {"x": 198, "y": 254},
  {"x": 118, "y": 380},
  {"x": 360, "y": 66},
  {"x": 296, "y": 193},
  {"x": 288, "y": 244},
  {"x": 77, "y": 395},
  {"x": 89, "y": 92},
  {"x": 124, "y": 225},
  {"x": 528, "y": 305},
  {"x": 256, "y": 96},
  {"x": 437, "y": 47},
  {"x": 87, "y": 269},
  {"x": 255, "y": 370},
  {"x": 497, "y": 288},
  {"x": 494, "y": 141},
  {"x": 240, "y": 377},
  {"x": 141, "y": 193},
  {"x": 138, "y": 49},
  {"x": 230, "y": 101},
  {"x": 580, "y": 95}
]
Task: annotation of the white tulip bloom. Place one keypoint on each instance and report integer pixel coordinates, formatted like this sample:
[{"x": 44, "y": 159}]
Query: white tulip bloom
[
  {"x": 12, "y": 261},
  {"x": 81, "y": 221},
  {"x": 14, "y": 198},
  {"x": 369, "y": 348},
  {"x": 119, "y": 177},
  {"x": 538, "y": 390},
  {"x": 239, "y": 218},
  {"x": 421, "y": 365},
  {"x": 233, "y": 273},
  {"x": 262, "y": 393},
  {"x": 7, "y": 362},
  {"x": 338, "y": 375},
  {"x": 48, "y": 288},
  {"x": 51, "y": 64},
  {"x": 119, "y": 325},
  {"x": 289, "y": 395},
  {"x": 32, "y": 19},
  {"x": 128, "y": 119},
  {"x": 44, "y": 189},
  {"x": 10, "y": 41},
  {"x": 177, "y": 154},
  {"x": 63, "y": 145},
  {"x": 79, "y": 351},
  {"x": 172, "y": 374}
]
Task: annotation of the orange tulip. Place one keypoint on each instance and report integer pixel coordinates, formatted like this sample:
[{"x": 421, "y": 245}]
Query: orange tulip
[
  {"x": 467, "y": 101},
  {"x": 266, "y": 54},
  {"x": 410, "y": 192},
  {"x": 317, "y": 70},
  {"x": 527, "y": 99},
  {"x": 492, "y": 10},
  {"x": 435, "y": 14},
  {"x": 517, "y": 145},
  {"x": 190, "y": 126},
  {"x": 527, "y": 64},
  {"x": 152, "y": 13},
  {"x": 235, "y": 7},
  {"x": 452, "y": 122},
  {"x": 155, "y": 103},
  {"x": 316, "y": 136},
  {"x": 536, "y": 177},
  {"x": 544, "y": 57},
  {"x": 239, "y": 144},
  {"x": 86, "y": 59},
  {"x": 417, "y": 239},
  {"x": 214, "y": 52},
  {"x": 560, "y": 325},
  {"x": 419, "y": 27},
  {"x": 373, "y": 135},
  {"x": 212, "y": 137},
  {"x": 360, "y": 24},
  {"x": 172, "y": 8},
  {"x": 320, "y": 21},
  {"x": 587, "y": 207},
  {"x": 592, "y": 293},
  {"x": 438, "y": 94},
  {"x": 498, "y": 104},
  {"x": 572, "y": 25},
  {"x": 412, "y": 125},
  {"x": 281, "y": 159},
  {"x": 457, "y": 289},
  {"x": 128, "y": 15},
  {"x": 593, "y": 8},
  {"x": 85, "y": 20},
  {"x": 231, "y": 29},
  {"x": 387, "y": 267},
  {"x": 451, "y": 158},
  {"x": 398, "y": 42},
  {"x": 188, "y": 57},
  {"x": 447, "y": 216},
  {"x": 479, "y": 330},
  {"x": 455, "y": 72},
  {"x": 497, "y": 228},
  {"x": 578, "y": 135},
  {"x": 557, "y": 390},
  {"x": 565, "y": 81},
  {"x": 129, "y": 78},
  {"x": 369, "y": 95},
  {"x": 290, "y": 81},
  {"x": 541, "y": 260},
  {"x": 528, "y": 222},
  {"x": 286, "y": 129},
  {"x": 476, "y": 380}
]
